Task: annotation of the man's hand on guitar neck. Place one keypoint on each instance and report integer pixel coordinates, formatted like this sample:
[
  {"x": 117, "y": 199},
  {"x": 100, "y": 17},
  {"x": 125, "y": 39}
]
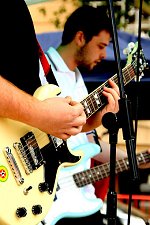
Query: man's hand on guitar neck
[{"x": 112, "y": 94}]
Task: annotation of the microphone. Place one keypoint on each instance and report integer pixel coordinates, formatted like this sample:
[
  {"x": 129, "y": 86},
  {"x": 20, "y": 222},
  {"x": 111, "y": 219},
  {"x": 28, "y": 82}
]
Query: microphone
[{"x": 110, "y": 121}]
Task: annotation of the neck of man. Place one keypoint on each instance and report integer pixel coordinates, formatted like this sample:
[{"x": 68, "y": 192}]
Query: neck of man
[{"x": 68, "y": 55}]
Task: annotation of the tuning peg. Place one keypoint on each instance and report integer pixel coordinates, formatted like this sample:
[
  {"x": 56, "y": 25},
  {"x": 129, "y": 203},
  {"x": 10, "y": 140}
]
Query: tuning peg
[
  {"x": 130, "y": 47},
  {"x": 125, "y": 51}
]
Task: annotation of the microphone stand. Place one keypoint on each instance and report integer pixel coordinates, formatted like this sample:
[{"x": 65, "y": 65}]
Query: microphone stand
[
  {"x": 124, "y": 115},
  {"x": 110, "y": 122}
]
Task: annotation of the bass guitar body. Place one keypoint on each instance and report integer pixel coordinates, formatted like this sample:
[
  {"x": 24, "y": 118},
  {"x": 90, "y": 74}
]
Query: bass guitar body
[{"x": 72, "y": 201}]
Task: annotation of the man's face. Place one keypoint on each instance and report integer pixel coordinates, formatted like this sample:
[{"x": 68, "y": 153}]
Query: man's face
[{"x": 91, "y": 53}]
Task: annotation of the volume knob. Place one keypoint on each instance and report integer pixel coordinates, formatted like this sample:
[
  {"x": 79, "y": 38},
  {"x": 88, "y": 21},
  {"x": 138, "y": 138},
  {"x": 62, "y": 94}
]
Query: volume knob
[
  {"x": 37, "y": 209},
  {"x": 21, "y": 212},
  {"x": 43, "y": 187}
]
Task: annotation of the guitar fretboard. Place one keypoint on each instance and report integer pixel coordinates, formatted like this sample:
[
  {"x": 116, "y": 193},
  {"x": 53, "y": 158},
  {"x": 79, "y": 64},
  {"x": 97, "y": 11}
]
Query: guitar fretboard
[
  {"x": 102, "y": 171},
  {"x": 95, "y": 100}
]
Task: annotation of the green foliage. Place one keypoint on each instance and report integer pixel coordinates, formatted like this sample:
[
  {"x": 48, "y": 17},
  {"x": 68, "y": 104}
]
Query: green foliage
[{"x": 123, "y": 15}]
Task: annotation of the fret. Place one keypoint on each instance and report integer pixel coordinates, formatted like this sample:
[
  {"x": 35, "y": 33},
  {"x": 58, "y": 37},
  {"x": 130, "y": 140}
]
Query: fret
[
  {"x": 139, "y": 159},
  {"x": 103, "y": 168},
  {"x": 146, "y": 157},
  {"x": 83, "y": 177},
  {"x": 79, "y": 179},
  {"x": 92, "y": 104},
  {"x": 126, "y": 163},
  {"x": 130, "y": 72},
  {"x": 93, "y": 174},
  {"x": 142, "y": 158},
  {"x": 107, "y": 168},
  {"x": 96, "y": 97},
  {"x": 86, "y": 108},
  {"x": 118, "y": 167},
  {"x": 95, "y": 100},
  {"x": 88, "y": 177},
  {"x": 99, "y": 172}
]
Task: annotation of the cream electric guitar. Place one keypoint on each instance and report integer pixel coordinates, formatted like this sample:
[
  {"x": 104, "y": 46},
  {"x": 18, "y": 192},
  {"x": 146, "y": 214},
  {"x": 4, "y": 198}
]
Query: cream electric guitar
[
  {"x": 30, "y": 160},
  {"x": 73, "y": 198}
]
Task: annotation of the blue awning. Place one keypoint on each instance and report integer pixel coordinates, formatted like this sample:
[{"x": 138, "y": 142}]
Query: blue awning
[
  {"x": 106, "y": 69},
  {"x": 54, "y": 38}
]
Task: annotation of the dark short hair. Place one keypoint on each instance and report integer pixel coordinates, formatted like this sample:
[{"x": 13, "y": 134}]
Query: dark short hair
[{"x": 88, "y": 19}]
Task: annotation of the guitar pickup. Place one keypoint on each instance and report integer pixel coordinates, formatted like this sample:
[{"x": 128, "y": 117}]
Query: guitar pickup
[{"x": 29, "y": 152}]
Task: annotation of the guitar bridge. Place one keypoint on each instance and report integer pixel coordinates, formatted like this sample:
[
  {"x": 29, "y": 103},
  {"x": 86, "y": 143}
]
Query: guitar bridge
[
  {"x": 29, "y": 152},
  {"x": 14, "y": 167}
]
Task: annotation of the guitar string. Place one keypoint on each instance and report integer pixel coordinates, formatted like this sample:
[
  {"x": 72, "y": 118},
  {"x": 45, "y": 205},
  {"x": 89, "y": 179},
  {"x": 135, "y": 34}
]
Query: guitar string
[
  {"x": 122, "y": 163},
  {"x": 82, "y": 181},
  {"x": 102, "y": 171},
  {"x": 134, "y": 64},
  {"x": 101, "y": 89},
  {"x": 30, "y": 142},
  {"x": 125, "y": 161},
  {"x": 49, "y": 144},
  {"x": 105, "y": 172},
  {"x": 86, "y": 180},
  {"x": 106, "y": 83},
  {"x": 30, "y": 149},
  {"x": 114, "y": 80}
]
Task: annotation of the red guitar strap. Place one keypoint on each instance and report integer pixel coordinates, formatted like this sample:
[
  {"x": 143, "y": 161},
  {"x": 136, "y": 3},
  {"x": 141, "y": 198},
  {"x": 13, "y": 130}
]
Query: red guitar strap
[
  {"x": 44, "y": 62},
  {"x": 46, "y": 66}
]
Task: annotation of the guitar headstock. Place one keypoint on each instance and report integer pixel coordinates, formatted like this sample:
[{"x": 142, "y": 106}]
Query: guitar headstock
[{"x": 132, "y": 52}]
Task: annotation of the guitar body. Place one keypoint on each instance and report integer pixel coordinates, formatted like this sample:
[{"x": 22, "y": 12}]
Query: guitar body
[
  {"x": 75, "y": 195},
  {"x": 12, "y": 194},
  {"x": 28, "y": 169},
  {"x": 71, "y": 201}
]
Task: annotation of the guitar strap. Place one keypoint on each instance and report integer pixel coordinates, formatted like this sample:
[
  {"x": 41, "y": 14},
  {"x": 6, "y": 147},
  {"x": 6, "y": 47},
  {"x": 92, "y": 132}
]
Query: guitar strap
[{"x": 46, "y": 67}]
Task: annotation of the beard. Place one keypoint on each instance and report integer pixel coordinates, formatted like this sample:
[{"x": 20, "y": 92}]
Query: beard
[{"x": 82, "y": 61}]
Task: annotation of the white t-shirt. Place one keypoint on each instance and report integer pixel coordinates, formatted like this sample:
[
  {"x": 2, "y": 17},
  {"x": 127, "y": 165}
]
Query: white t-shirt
[{"x": 72, "y": 84}]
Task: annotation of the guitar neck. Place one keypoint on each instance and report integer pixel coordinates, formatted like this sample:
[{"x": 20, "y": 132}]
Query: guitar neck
[
  {"x": 95, "y": 100},
  {"x": 102, "y": 171}
]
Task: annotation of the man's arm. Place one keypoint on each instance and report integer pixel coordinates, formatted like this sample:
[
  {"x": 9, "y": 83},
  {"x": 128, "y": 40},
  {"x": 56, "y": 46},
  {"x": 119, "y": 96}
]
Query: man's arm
[
  {"x": 104, "y": 156},
  {"x": 60, "y": 117}
]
